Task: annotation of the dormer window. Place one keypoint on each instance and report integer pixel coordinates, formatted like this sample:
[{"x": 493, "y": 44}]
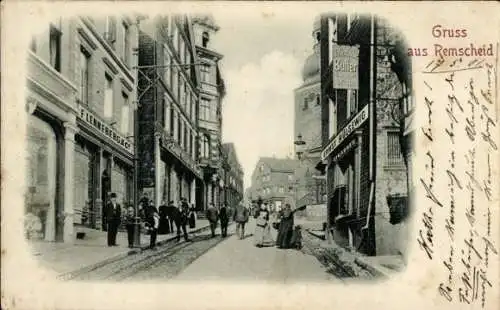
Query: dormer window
[{"x": 204, "y": 39}]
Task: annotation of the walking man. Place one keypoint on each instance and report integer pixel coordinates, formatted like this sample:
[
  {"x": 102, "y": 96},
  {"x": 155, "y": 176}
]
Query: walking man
[
  {"x": 129, "y": 224},
  {"x": 182, "y": 220},
  {"x": 113, "y": 215},
  {"x": 224, "y": 220},
  {"x": 240, "y": 216},
  {"x": 212, "y": 218}
]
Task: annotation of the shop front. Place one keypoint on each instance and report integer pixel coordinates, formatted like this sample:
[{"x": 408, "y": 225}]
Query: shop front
[{"x": 103, "y": 165}]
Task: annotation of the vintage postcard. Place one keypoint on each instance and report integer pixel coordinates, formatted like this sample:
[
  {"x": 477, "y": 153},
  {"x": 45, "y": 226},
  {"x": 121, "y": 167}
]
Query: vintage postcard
[{"x": 250, "y": 155}]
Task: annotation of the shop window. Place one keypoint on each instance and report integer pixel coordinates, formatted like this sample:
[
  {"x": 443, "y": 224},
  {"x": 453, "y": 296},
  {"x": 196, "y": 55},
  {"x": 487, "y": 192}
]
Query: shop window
[
  {"x": 119, "y": 184},
  {"x": 83, "y": 180},
  {"x": 84, "y": 75},
  {"x": 394, "y": 156},
  {"x": 108, "y": 97},
  {"x": 55, "y": 48},
  {"x": 40, "y": 176}
]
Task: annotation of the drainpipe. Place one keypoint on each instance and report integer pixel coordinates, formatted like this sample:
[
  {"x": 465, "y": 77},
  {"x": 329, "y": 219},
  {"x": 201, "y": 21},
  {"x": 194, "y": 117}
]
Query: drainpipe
[{"x": 373, "y": 43}]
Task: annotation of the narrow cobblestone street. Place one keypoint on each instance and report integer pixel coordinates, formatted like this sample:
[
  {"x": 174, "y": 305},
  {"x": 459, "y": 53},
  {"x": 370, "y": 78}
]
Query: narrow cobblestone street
[{"x": 215, "y": 259}]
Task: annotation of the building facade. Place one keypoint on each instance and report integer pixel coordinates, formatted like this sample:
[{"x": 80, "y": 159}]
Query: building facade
[
  {"x": 212, "y": 92},
  {"x": 273, "y": 180},
  {"x": 168, "y": 97},
  {"x": 80, "y": 135},
  {"x": 366, "y": 175},
  {"x": 307, "y": 129},
  {"x": 233, "y": 176}
]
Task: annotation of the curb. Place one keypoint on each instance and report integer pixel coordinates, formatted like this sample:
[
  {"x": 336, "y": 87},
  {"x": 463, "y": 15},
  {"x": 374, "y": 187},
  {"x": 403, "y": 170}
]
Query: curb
[
  {"x": 72, "y": 274},
  {"x": 375, "y": 270}
]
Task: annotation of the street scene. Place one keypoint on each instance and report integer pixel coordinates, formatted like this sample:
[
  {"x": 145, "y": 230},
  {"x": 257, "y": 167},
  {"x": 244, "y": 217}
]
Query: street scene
[{"x": 184, "y": 147}]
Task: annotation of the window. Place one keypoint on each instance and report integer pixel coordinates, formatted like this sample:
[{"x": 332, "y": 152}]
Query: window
[
  {"x": 168, "y": 121},
  {"x": 126, "y": 43},
  {"x": 305, "y": 104},
  {"x": 205, "y": 73},
  {"x": 213, "y": 113},
  {"x": 186, "y": 138},
  {"x": 205, "y": 37},
  {"x": 352, "y": 102},
  {"x": 55, "y": 48},
  {"x": 176, "y": 38},
  {"x": 282, "y": 190},
  {"x": 318, "y": 101},
  {"x": 205, "y": 109},
  {"x": 205, "y": 146},
  {"x": 290, "y": 177},
  {"x": 188, "y": 104},
  {"x": 166, "y": 56},
  {"x": 179, "y": 131},
  {"x": 175, "y": 80},
  {"x": 332, "y": 119},
  {"x": 125, "y": 114},
  {"x": 193, "y": 108},
  {"x": 110, "y": 33},
  {"x": 84, "y": 75},
  {"x": 394, "y": 156},
  {"x": 175, "y": 125},
  {"x": 108, "y": 97}
]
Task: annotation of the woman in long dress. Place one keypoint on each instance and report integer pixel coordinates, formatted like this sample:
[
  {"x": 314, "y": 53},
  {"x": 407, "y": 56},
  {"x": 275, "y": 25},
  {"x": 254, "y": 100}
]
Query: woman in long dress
[
  {"x": 164, "y": 226},
  {"x": 262, "y": 235},
  {"x": 285, "y": 228}
]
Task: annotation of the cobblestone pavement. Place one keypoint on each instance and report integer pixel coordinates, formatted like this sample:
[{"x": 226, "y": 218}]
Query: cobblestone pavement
[{"x": 160, "y": 264}]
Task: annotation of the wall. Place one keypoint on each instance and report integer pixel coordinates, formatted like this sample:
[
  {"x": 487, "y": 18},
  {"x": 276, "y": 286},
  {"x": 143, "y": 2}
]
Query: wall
[{"x": 308, "y": 121}]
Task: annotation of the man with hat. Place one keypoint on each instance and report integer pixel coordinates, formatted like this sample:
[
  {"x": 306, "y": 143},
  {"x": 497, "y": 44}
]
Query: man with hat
[{"x": 113, "y": 215}]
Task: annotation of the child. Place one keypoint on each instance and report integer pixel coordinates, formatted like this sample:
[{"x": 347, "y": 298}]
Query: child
[{"x": 296, "y": 241}]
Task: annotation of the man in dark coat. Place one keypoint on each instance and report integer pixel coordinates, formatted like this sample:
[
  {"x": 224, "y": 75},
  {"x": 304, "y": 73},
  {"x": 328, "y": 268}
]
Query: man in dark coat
[
  {"x": 130, "y": 225},
  {"x": 212, "y": 218},
  {"x": 224, "y": 220},
  {"x": 113, "y": 215},
  {"x": 240, "y": 216}
]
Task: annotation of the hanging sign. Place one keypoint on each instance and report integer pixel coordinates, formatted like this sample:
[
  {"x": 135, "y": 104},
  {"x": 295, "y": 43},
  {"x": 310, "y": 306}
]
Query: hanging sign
[
  {"x": 345, "y": 59},
  {"x": 354, "y": 124}
]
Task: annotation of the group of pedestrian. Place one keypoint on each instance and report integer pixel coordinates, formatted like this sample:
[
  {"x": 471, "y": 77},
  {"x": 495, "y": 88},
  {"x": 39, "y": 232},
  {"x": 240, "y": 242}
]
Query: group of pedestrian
[
  {"x": 289, "y": 236},
  {"x": 156, "y": 221},
  {"x": 214, "y": 216}
]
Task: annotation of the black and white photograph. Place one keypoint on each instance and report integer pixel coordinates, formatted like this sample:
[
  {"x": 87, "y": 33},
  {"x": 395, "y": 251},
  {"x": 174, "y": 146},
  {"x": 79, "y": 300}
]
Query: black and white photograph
[{"x": 193, "y": 146}]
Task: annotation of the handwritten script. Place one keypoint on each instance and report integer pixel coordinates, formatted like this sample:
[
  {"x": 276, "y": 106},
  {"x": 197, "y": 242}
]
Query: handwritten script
[{"x": 458, "y": 176}]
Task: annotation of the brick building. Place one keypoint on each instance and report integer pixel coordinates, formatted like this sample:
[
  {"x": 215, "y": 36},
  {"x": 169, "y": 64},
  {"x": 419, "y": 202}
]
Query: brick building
[
  {"x": 273, "y": 180},
  {"x": 366, "y": 174},
  {"x": 80, "y": 86},
  {"x": 233, "y": 176},
  {"x": 212, "y": 92},
  {"x": 168, "y": 95}
]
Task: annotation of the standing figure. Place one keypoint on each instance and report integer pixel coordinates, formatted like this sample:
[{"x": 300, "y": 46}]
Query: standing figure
[
  {"x": 181, "y": 219},
  {"x": 224, "y": 220},
  {"x": 130, "y": 224},
  {"x": 212, "y": 218},
  {"x": 262, "y": 235},
  {"x": 171, "y": 212},
  {"x": 163, "y": 226},
  {"x": 240, "y": 216},
  {"x": 286, "y": 227},
  {"x": 113, "y": 215},
  {"x": 192, "y": 217}
]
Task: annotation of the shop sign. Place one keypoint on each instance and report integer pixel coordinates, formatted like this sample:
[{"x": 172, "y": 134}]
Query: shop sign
[
  {"x": 94, "y": 121},
  {"x": 345, "y": 66},
  {"x": 345, "y": 150},
  {"x": 354, "y": 124}
]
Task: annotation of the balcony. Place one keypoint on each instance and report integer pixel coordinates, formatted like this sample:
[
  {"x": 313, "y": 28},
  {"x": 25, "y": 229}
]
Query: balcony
[{"x": 45, "y": 80}]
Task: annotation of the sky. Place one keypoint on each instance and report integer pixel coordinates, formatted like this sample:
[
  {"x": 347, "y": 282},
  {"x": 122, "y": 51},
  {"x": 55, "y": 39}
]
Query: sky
[{"x": 262, "y": 64}]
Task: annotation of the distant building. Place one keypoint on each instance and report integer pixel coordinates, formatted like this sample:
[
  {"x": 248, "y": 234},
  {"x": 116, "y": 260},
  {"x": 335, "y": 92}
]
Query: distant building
[
  {"x": 233, "y": 176},
  {"x": 307, "y": 127},
  {"x": 212, "y": 92},
  {"x": 361, "y": 130},
  {"x": 273, "y": 180},
  {"x": 80, "y": 90}
]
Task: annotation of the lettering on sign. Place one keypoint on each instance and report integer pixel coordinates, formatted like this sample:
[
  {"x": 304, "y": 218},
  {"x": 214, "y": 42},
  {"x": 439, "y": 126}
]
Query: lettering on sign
[
  {"x": 92, "y": 120},
  {"x": 354, "y": 124},
  {"x": 345, "y": 66}
]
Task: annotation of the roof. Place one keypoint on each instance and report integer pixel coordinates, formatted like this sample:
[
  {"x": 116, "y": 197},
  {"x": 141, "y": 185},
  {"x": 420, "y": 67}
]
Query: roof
[{"x": 279, "y": 164}]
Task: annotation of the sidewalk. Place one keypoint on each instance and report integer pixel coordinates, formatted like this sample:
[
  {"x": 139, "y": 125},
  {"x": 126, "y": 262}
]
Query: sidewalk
[{"x": 66, "y": 258}]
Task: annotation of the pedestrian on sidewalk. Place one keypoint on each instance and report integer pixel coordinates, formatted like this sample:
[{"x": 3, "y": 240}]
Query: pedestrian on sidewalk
[
  {"x": 163, "y": 227},
  {"x": 192, "y": 217},
  {"x": 240, "y": 216},
  {"x": 224, "y": 220},
  {"x": 181, "y": 220},
  {"x": 130, "y": 224},
  {"x": 212, "y": 218},
  {"x": 113, "y": 215},
  {"x": 262, "y": 235},
  {"x": 171, "y": 213}
]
